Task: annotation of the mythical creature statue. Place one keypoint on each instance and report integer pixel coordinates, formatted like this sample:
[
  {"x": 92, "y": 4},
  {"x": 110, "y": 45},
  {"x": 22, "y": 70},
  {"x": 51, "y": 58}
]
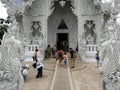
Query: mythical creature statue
[
  {"x": 110, "y": 57},
  {"x": 11, "y": 56}
]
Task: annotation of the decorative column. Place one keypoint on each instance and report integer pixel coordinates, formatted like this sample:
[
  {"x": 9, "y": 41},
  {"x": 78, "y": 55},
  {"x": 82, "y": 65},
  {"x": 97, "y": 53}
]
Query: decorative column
[
  {"x": 81, "y": 48},
  {"x": 99, "y": 28},
  {"x": 77, "y": 11},
  {"x": 44, "y": 23}
]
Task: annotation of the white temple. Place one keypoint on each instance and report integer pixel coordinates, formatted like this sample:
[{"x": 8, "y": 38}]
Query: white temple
[
  {"x": 88, "y": 24},
  {"x": 51, "y": 22}
]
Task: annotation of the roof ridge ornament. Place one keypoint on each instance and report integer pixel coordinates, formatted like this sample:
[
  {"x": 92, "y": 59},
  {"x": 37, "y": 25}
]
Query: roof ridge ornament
[{"x": 62, "y": 3}]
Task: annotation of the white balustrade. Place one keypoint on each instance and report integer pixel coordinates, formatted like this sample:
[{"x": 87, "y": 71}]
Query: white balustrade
[
  {"x": 91, "y": 50},
  {"x": 29, "y": 50}
]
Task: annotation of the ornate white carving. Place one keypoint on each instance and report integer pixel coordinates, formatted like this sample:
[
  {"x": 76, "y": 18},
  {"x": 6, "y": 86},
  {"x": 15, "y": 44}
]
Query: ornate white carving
[
  {"x": 110, "y": 55},
  {"x": 62, "y": 3},
  {"x": 27, "y": 4},
  {"x": 90, "y": 39},
  {"x": 11, "y": 56}
]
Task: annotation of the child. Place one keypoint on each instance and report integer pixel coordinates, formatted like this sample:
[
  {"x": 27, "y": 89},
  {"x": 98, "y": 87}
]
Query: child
[
  {"x": 65, "y": 59},
  {"x": 97, "y": 58}
]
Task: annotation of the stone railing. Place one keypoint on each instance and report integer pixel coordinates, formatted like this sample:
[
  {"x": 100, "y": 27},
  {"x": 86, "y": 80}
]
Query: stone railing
[
  {"x": 91, "y": 50},
  {"x": 29, "y": 50}
]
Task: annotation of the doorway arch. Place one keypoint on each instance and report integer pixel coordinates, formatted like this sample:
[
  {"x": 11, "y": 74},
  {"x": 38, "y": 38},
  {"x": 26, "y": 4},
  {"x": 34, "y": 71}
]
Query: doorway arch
[{"x": 69, "y": 26}]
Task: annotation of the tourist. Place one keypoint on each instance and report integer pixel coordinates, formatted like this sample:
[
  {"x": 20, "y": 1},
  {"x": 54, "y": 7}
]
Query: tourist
[
  {"x": 65, "y": 59},
  {"x": 39, "y": 68},
  {"x": 24, "y": 71},
  {"x": 59, "y": 56},
  {"x": 35, "y": 58},
  {"x": 65, "y": 45},
  {"x": 97, "y": 58},
  {"x": 48, "y": 52},
  {"x": 54, "y": 51},
  {"x": 72, "y": 57}
]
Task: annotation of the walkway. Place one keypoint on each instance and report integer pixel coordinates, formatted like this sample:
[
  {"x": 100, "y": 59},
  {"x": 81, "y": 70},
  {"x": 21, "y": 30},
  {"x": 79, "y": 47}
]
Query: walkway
[
  {"x": 85, "y": 76},
  {"x": 43, "y": 83},
  {"x": 62, "y": 78}
]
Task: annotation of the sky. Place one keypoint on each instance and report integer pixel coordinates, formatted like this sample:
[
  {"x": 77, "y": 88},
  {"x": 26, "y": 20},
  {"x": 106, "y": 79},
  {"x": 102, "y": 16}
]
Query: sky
[{"x": 3, "y": 13}]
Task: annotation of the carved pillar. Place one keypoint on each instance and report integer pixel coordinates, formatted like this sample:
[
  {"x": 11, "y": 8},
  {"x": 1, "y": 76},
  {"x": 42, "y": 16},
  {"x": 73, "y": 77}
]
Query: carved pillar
[
  {"x": 98, "y": 31},
  {"x": 43, "y": 40},
  {"x": 49, "y": 11},
  {"x": 77, "y": 10},
  {"x": 81, "y": 48},
  {"x": 19, "y": 19},
  {"x": 44, "y": 23}
]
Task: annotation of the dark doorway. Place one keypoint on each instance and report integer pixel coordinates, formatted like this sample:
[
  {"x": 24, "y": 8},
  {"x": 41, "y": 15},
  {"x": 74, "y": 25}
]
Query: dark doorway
[{"x": 62, "y": 41}]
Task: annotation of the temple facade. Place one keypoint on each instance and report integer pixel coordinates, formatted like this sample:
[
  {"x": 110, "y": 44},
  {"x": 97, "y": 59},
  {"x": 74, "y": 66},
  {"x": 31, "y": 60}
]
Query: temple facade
[
  {"x": 74, "y": 23},
  {"x": 82, "y": 24}
]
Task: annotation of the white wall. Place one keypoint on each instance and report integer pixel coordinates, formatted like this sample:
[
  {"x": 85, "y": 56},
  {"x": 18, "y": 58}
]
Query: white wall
[{"x": 71, "y": 22}]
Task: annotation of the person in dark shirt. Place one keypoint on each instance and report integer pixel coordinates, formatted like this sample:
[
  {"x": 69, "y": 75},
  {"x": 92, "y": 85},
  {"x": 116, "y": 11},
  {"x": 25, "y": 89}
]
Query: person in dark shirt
[{"x": 72, "y": 57}]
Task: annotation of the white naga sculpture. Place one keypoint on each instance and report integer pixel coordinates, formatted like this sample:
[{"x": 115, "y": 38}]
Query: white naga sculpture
[
  {"x": 11, "y": 56},
  {"x": 110, "y": 56}
]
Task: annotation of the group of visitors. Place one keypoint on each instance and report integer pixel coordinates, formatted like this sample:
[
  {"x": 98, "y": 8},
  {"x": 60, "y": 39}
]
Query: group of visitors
[
  {"x": 37, "y": 64},
  {"x": 63, "y": 57},
  {"x": 60, "y": 55},
  {"x": 50, "y": 52}
]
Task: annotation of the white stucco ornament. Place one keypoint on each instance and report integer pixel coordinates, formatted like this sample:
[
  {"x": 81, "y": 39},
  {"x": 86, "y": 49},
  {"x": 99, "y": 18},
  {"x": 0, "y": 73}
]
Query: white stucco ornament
[
  {"x": 11, "y": 56},
  {"x": 62, "y": 3},
  {"x": 110, "y": 56}
]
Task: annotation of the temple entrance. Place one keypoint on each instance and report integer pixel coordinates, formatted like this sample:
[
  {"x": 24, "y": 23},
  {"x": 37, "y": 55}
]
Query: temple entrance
[
  {"x": 62, "y": 41},
  {"x": 62, "y": 27}
]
